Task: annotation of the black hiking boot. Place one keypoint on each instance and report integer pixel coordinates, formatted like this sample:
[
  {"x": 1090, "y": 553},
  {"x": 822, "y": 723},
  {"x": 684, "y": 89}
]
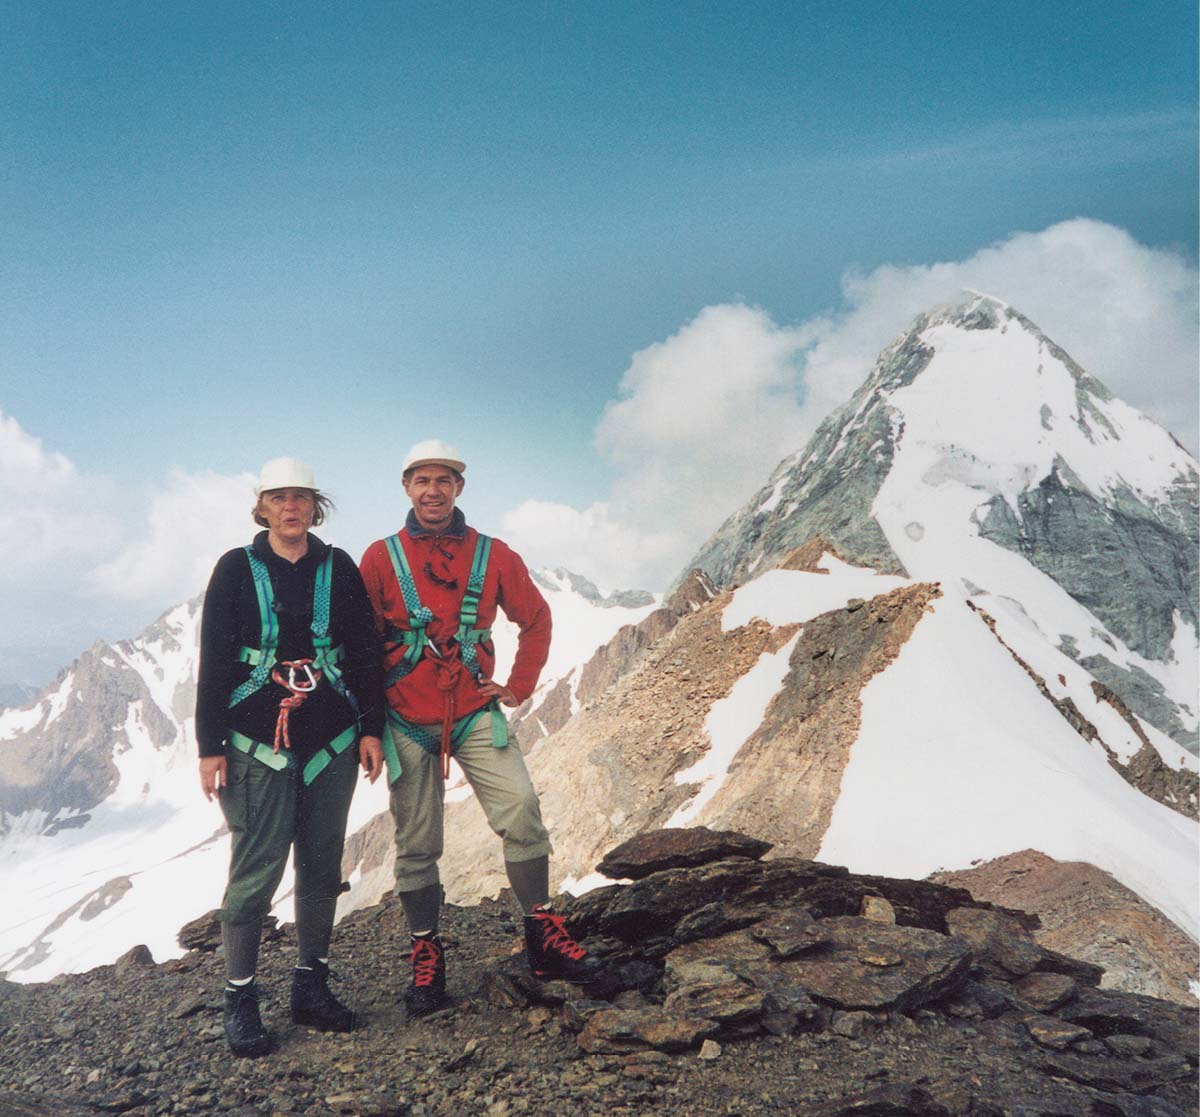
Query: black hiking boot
[
  {"x": 312, "y": 1002},
  {"x": 427, "y": 993},
  {"x": 243, "y": 1024},
  {"x": 553, "y": 952}
]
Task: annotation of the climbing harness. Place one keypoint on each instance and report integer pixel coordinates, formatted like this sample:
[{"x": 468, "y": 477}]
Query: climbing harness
[
  {"x": 417, "y": 643},
  {"x": 324, "y": 664}
]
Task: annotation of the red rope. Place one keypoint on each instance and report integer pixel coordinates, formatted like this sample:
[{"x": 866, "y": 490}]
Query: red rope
[{"x": 296, "y": 698}]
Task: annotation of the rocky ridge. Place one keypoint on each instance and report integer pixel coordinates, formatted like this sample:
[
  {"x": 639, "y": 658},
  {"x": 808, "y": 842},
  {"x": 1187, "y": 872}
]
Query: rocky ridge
[{"x": 732, "y": 986}]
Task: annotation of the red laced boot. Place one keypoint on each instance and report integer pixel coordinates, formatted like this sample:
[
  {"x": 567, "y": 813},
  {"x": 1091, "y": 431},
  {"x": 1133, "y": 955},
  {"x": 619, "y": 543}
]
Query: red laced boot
[
  {"x": 427, "y": 993},
  {"x": 553, "y": 952}
]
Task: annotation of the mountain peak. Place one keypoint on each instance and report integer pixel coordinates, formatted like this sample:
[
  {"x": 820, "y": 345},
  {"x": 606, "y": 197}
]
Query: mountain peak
[{"x": 978, "y": 451}]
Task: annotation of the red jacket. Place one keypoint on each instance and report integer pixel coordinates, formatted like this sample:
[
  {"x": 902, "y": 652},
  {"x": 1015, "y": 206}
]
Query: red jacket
[{"x": 417, "y": 696}]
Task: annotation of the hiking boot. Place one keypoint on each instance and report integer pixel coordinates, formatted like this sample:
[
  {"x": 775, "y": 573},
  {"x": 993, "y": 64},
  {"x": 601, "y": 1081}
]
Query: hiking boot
[
  {"x": 427, "y": 992},
  {"x": 553, "y": 952},
  {"x": 314, "y": 1004},
  {"x": 243, "y": 1024}
]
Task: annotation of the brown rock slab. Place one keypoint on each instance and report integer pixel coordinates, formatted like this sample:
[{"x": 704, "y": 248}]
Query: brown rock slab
[
  {"x": 789, "y": 933},
  {"x": 899, "y": 1100},
  {"x": 655, "y": 850},
  {"x": 136, "y": 957},
  {"x": 731, "y": 1002},
  {"x": 1053, "y": 1033},
  {"x": 999, "y": 942},
  {"x": 878, "y": 908},
  {"x": 620, "y": 1030},
  {"x": 930, "y": 965},
  {"x": 1045, "y": 991}
]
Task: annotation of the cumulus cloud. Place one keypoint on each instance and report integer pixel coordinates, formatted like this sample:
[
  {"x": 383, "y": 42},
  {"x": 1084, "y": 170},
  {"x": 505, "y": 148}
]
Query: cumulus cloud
[
  {"x": 696, "y": 416},
  {"x": 51, "y": 515},
  {"x": 701, "y": 419},
  {"x": 186, "y": 527},
  {"x": 79, "y": 555}
]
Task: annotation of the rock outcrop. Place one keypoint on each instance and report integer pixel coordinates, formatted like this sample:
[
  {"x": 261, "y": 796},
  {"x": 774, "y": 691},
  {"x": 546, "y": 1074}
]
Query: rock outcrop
[
  {"x": 730, "y": 986},
  {"x": 1085, "y": 913}
]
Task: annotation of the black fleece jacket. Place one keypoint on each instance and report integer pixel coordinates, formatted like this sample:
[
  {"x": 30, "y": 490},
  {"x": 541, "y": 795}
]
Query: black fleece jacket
[{"x": 231, "y": 621}]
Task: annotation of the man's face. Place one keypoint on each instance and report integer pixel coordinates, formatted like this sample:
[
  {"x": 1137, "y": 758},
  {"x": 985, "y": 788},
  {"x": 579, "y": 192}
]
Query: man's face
[{"x": 433, "y": 489}]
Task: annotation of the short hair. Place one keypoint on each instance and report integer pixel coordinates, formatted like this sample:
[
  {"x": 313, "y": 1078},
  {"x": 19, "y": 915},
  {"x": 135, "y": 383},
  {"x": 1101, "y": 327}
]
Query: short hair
[{"x": 322, "y": 507}]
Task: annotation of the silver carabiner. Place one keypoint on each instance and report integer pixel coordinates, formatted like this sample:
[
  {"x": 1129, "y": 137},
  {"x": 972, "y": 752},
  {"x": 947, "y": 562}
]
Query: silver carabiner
[{"x": 297, "y": 687}]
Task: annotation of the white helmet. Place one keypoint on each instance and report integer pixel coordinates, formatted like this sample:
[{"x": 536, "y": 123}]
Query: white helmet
[
  {"x": 285, "y": 473},
  {"x": 433, "y": 451}
]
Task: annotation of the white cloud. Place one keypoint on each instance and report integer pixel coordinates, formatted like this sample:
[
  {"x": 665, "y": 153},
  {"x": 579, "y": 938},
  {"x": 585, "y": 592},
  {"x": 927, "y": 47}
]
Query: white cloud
[
  {"x": 51, "y": 515},
  {"x": 79, "y": 556},
  {"x": 187, "y": 526},
  {"x": 703, "y": 417}
]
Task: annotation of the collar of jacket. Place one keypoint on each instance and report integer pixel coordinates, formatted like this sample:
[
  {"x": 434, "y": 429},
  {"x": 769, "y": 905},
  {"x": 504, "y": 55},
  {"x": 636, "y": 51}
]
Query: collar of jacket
[
  {"x": 456, "y": 530},
  {"x": 315, "y": 553}
]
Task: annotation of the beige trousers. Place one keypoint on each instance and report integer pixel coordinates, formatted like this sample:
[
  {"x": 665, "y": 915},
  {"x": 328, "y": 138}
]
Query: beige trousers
[{"x": 501, "y": 783}]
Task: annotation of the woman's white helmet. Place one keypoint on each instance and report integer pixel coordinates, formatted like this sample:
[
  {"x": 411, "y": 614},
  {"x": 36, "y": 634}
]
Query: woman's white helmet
[
  {"x": 433, "y": 451},
  {"x": 285, "y": 473}
]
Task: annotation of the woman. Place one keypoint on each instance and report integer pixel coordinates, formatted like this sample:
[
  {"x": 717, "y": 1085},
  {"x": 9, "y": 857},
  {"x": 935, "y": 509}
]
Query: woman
[{"x": 286, "y": 710}]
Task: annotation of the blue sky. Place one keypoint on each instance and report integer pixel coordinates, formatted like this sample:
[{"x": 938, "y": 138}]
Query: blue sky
[{"x": 236, "y": 230}]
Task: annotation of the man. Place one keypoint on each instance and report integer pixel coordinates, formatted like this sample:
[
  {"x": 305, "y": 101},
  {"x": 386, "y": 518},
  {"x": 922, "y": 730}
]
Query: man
[{"x": 435, "y": 587}]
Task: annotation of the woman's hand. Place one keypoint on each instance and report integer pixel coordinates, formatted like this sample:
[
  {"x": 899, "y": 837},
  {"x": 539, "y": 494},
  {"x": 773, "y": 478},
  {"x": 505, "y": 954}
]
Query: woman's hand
[
  {"x": 370, "y": 756},
  {"x": 213, "y": 775}
]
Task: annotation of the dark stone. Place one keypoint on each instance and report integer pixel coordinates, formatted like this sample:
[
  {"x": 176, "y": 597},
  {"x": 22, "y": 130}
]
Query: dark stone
[
  {"x": 1053, "y": 1033},
  {"x": 1128, "y": 1046},
  {"x": 1084, "y": 973},
  {"x": 1108, "y": 1012},
  {"x": 897, "y": 1100},
  {"x": 717, "y": 919},
  {"x": 1118, "y": 1075},
  {"x": 136, "y": 957},
  {"x": 856, "y": 969},
  {"x": 789, "y": 933},
  {"x": 656, "y": 850},
  {"x": 1000, "y": 944},
  {"x": 620, "y": 1030},
  {"x": 1045, "y": 991}
]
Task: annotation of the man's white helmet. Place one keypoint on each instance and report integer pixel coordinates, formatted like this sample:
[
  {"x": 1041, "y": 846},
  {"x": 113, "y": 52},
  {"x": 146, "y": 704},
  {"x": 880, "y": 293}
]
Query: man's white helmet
[
  {"x": 285, "y": 473},
  {"x": 433, "y": 451}
]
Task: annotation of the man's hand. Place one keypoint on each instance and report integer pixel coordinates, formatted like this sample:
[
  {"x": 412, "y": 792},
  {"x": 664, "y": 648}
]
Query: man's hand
[
  {"x": 500, "y": 693},
  {"x": 213, "y": 775},
  {"x": 370, "y": 757}
]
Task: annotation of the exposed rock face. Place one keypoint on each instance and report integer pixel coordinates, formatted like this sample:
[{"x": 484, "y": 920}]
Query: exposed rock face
[
  {"x": 1086, "y": 914},
  {"x": 57, "y": 755},
  {"x": 609, "y": 663}
]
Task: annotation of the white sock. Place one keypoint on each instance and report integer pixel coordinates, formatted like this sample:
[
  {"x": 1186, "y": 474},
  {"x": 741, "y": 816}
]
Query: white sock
[{"x": 238, "y": 982}]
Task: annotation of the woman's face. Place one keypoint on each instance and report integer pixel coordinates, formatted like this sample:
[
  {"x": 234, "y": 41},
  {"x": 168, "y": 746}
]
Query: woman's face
[{"x": 288, "y": 512}]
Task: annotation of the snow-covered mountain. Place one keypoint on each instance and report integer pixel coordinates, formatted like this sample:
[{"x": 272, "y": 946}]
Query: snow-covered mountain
[
  {"x": 105, "y": 839},
  {"x": 978, "y": 452},
  {"x": 959, "y": 624}
]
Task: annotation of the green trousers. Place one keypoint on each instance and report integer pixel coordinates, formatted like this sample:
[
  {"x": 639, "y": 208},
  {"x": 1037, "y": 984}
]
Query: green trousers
[{"x": 271, "y": 812}]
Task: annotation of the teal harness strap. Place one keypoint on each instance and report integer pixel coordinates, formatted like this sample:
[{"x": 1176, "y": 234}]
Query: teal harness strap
[
  {"x": 415, "y": 638},
  {"x": 468, "y": 635},
  {"x": 284, "y": 759},
  {"x": 264, "y": 660},
  {"x": 327, "y": 658},
  {"x": 429, "y": 736}
]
